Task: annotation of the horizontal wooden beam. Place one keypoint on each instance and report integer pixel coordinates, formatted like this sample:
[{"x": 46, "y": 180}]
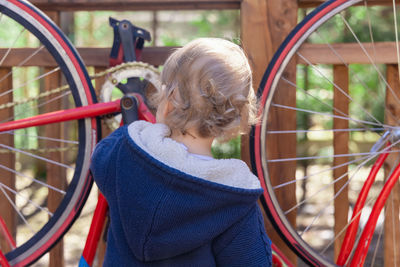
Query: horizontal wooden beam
[
  {"x": 380, "y": 53},
  {"x": 77, "y": 5},
  {"x": 350, "y": 53},
  {"x": 97, "y": 57},
  {"x": 89, "y": 5}
]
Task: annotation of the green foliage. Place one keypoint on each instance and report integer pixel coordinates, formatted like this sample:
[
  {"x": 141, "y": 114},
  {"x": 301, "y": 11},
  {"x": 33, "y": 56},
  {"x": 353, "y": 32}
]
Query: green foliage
[
  {"x": 314, "y": 93},
  {"x": 173, "y": 29},
  {"x": 379, "y": 19},
  {"x": 227, "y": 150},
  {"x": 367, "y": 91},
  {"x": 23, "y": 91},
  {"x": 92, "y": 29},
  {"x": 169, "y": 41},
  {"x": 188, "y": 25},
  {"x": 215, "y": 23}
]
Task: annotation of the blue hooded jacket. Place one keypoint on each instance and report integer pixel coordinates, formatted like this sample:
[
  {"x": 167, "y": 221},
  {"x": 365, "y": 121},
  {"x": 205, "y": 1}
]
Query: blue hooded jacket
[{"x": 161, "y": 216}]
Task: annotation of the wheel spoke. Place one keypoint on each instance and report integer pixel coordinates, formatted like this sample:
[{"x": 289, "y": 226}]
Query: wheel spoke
[
  {"x": 340, "y": 89},
  {"x": 37, "y": 206},
  {"x": 11, "y": 47},
  {"x": 368, "y": 158},
  {"x": 42, "y": 137},
  {"x": 396, "y": 35},
  {"x": 67, "y": 93},
  {"x": 319, "y": 172},
  {"x": 376, "y": 247},
  {"x": 371, "y": 60},
  {"x": 27, "y": 82},
  {"x": 390, "y": 113},
  {"x": 32, "y": 179},
  {"x": 332, "y": 116},
  {"x": 37, "y": 157},
  {"x": 326, "y": 130},
  {"x": 337, "y": 193},
  {"x": 16, "y": 209},
  {"x": 331, "y": 156}
]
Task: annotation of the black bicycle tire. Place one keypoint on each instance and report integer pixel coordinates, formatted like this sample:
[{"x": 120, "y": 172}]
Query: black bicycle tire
[
  {"x": 257, "y": 140},
  {"x": 83, "y": 94}
]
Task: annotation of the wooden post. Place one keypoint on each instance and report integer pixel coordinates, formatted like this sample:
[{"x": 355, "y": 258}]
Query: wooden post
[
  {"x": 264, "y": 25},
  {"x": 392, "y": 225},
  {"x": 340, "y": 146},
  {"x": 7, "y": 178},
  {"x": 56, "y": 175}
]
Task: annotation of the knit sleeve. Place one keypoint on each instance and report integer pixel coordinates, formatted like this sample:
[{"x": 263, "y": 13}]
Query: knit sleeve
[
  {"x": 246, "y": 244},
  {"x": 103, "y": 159}
]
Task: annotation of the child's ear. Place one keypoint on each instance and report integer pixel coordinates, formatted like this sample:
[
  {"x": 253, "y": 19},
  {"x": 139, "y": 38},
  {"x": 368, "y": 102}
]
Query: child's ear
[
  {"x": 167, "y": 108},
  {"x": 163, "y": 109}
]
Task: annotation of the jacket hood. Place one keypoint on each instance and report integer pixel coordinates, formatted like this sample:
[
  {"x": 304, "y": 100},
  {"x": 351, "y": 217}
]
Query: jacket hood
[
  {"x": 153, "y": 139},
  {"x": 171, "y": 212}
]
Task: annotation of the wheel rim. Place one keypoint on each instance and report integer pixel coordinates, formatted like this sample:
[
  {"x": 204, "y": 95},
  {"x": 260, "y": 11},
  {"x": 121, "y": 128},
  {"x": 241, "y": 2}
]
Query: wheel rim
[
  {"x": 270, "y": 82},
  {"x": 43, "y": 235}
]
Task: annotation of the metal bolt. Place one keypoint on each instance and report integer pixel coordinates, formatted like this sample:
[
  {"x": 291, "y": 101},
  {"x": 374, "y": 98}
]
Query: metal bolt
[{"x": 127, "y": 102}]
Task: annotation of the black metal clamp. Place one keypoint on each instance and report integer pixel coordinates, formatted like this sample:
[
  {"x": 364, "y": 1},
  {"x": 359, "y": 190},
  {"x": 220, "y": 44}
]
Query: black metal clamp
[{"x": 129, "y": 109}]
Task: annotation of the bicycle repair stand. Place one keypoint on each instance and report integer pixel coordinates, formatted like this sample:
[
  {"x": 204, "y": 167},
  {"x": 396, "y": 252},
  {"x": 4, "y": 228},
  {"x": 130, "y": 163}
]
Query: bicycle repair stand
[{"x": 127, "y": 47}]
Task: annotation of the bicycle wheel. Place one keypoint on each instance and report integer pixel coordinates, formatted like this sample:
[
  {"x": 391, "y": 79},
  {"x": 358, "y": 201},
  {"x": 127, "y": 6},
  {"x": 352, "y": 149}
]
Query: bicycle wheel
[
  {"x": 44, "y": 179},
  {"x": 318, "y": 134}
]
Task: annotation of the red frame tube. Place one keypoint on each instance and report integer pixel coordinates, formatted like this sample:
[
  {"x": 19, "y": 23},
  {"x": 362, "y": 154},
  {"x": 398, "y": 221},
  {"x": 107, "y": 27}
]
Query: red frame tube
[
  {"x": 365, "y": 240},
  {"x": 95, "y": 230},
  {"x": 93, "y": 110},
  {"x": 279, "y": 258},
  {"x": 10, "y": 240},
  {"x": 76, "y": 114},
  {"x": 3, "y": 260},
  {"x": 63, "y": 115},
  {"x": 143, "y": 111},
  {"x": 99, "y": 216},
  {"x": 348, "y": 241}
]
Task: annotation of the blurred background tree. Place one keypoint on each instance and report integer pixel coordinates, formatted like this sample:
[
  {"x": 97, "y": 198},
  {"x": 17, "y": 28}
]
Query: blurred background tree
[{"x": 167, "y": 28}]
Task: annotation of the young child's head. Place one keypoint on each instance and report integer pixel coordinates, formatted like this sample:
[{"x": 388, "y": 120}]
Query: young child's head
[{"x": 208, "y": 85}]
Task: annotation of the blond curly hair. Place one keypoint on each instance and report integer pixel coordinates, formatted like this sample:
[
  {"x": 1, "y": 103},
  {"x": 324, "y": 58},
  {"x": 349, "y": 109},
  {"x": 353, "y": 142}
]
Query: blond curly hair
[{"x": 209, "y": 84}]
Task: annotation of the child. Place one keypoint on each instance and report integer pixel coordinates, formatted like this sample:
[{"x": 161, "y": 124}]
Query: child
[{"x": 171, "y": 203}]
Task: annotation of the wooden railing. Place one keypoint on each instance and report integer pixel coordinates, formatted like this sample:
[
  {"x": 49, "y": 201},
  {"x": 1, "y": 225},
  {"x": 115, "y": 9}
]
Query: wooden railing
[
  {"x": 264, "y": 25},
  {"x": 96, "y": 57},
  {"x": 260, "y": 36}
]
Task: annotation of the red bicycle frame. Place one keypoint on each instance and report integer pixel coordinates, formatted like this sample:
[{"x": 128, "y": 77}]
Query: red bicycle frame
[
  {"x": 363, "y": 244},
  {"x": 100, "y": 213},
  {"x": 10, "y": 241},
  {"x": 68, "y": 115},
  {"x": 144, "y": 114}
]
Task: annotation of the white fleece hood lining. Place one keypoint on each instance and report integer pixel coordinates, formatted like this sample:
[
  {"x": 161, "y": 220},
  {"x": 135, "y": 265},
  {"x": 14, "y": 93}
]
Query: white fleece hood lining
[{"x": 153, "y": 139}]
